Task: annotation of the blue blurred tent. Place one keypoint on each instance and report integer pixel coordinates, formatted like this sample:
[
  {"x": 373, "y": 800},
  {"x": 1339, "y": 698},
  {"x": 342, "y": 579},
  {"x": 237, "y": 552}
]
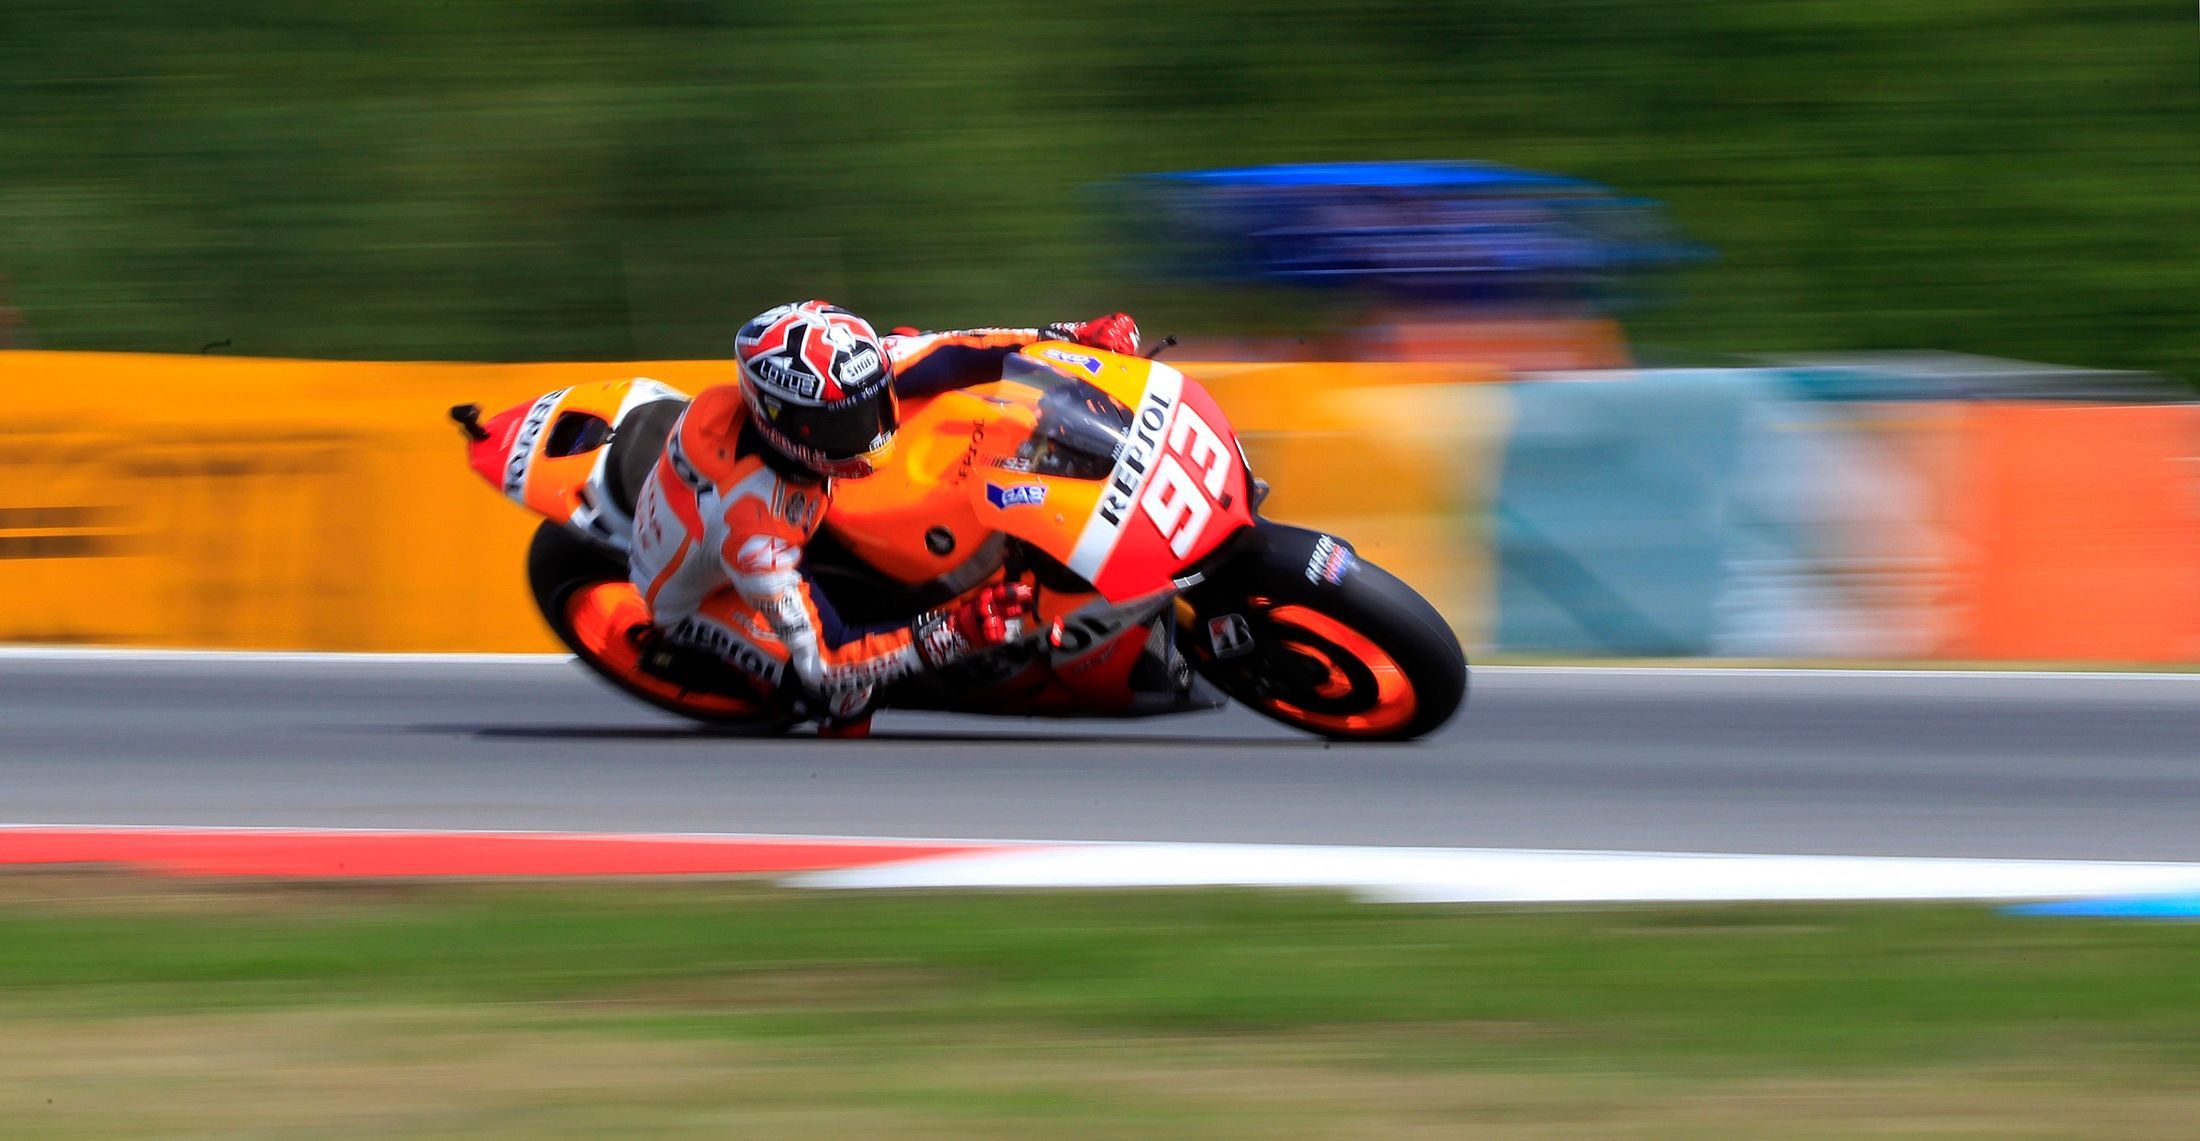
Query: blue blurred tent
[{"x": 1417, "y": 231}]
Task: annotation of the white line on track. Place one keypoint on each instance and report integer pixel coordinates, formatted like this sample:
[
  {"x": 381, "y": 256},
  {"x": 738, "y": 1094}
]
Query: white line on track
[{"x": 1495, "y": 875}]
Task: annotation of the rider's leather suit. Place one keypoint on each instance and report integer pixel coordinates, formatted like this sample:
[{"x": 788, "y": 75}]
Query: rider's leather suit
[{"x": 720, "y": 526}]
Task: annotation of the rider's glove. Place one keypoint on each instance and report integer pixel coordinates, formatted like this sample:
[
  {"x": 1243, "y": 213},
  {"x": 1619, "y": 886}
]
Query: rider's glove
[
  {"x": 994, "y": 616},
  {"x": 1114, "y": 333}
]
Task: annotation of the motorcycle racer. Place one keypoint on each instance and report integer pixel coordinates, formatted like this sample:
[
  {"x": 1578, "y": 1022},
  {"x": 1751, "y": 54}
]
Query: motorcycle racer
[{"x": 744, "y": 482}]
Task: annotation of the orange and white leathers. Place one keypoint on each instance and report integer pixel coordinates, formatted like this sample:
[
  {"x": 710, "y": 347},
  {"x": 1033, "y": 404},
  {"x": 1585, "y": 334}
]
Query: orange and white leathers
[
  {"x": 719, "y": 534},
  {"x": 718, "y": 538}
]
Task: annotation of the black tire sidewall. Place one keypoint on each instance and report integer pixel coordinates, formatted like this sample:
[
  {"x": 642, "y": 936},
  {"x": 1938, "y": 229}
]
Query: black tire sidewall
[{"x": 1376, "y": 604}]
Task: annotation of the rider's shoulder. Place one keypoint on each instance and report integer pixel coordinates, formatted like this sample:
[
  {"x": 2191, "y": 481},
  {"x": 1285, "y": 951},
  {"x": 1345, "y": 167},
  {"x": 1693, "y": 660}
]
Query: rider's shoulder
[
  {"x": 760, "y": 501},
  {"x": 718, "y": 403},
  {"x": 710, "y": 435}
]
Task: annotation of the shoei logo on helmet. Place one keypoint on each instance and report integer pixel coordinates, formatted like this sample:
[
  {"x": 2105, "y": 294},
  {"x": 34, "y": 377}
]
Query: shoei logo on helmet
[{"x": 862, "y": 365}]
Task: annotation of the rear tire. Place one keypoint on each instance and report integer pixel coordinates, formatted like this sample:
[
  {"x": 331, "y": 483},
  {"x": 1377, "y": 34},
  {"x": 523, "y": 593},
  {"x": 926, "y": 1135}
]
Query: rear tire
[
  {"x": 583, "y": 593},
  {"x": 1365, "y": 660}
]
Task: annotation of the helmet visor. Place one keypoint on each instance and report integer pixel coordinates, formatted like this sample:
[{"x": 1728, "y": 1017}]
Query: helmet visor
[
  {"x": 835, "y": 433},
  {"x": 866, "y": 464}
]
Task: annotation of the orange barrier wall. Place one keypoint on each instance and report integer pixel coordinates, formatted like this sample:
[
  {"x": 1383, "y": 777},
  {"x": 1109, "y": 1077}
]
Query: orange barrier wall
[
  {"x": 222, "y": 502},
  {"x": 2078, "y": 533},
  {"x": 250, "y": 503},
  {"x": 226, "y": 502}
]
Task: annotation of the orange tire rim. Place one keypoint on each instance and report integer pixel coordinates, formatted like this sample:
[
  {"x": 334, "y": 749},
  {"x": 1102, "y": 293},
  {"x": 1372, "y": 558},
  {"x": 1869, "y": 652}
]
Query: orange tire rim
[{"x": 1320, "y": 639}]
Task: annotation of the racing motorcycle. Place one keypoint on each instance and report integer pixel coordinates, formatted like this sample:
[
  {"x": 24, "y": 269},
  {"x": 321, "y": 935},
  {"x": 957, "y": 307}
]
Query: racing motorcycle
[{"x": 1113, "y": 484}]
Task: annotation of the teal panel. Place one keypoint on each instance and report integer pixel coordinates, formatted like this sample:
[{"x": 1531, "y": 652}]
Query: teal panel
[{"x": 1614, "y": 507}]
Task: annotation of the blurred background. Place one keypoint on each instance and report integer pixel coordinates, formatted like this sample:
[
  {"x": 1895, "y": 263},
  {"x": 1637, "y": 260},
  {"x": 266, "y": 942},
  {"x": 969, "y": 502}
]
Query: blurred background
[
  {"x": 1725, "y": 327},
  {"x": 610, "y": 181},
  {"x": 1719, "y": 330}
]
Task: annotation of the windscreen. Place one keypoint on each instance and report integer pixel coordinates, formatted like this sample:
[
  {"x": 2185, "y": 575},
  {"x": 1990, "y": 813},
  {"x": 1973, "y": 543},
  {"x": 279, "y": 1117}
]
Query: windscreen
[{"x": 1080, "y": 428}]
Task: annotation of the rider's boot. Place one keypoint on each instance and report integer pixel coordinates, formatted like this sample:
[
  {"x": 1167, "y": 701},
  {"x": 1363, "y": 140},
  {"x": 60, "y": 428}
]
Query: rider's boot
[
  {"x": 855, "y": 730},
  {"x": 847, "y": 716}
]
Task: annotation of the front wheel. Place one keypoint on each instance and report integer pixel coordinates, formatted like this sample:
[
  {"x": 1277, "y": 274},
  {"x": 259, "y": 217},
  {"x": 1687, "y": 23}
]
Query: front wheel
[{"x": 1364, "y": 659}]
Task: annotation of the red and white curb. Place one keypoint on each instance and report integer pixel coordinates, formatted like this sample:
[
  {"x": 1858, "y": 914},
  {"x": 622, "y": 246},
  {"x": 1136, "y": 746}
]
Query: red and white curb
[
  {"x": 1426, "y": 875},
  {"x": 315, "y": 853}
]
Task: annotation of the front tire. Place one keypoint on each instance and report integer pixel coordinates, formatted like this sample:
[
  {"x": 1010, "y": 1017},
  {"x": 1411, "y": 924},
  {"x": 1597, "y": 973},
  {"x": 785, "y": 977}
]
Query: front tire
[
  {"x": 1366, "y": 659},
  {"x": 583, "y": 593}
]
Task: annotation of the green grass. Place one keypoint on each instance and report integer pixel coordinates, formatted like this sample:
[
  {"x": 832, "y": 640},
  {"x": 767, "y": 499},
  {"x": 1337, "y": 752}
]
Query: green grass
[
  {"x": 1004, "y": 1012},
  {"x": 586, "y": 181}
]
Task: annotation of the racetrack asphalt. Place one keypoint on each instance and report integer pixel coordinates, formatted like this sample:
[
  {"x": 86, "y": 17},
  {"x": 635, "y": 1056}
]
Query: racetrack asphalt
[{"x": 2060, "y": 766}]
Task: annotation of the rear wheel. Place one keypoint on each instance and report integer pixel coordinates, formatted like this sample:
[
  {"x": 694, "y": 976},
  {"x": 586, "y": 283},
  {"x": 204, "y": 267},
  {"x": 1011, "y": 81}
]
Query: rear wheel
[
  {"x": 1367, "y": 659},
  {"x": 584, "y": 595}
]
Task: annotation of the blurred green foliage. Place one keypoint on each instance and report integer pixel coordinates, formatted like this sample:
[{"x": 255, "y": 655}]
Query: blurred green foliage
[
  {"x": 1715, "y": 987},
  {"x": 577, "y": 179},
  {"x": 193, "y": 1008}
]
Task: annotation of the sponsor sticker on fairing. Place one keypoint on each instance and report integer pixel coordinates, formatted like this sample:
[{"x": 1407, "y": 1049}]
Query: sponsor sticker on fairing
[
  {"x": 1142, "y": 443},
  {"x": 1091, "y": 364},
  {"x": 521, "y": 456},
  {"x": 1016, "y": 494},
  {"x": 1330, "y": 562}
]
